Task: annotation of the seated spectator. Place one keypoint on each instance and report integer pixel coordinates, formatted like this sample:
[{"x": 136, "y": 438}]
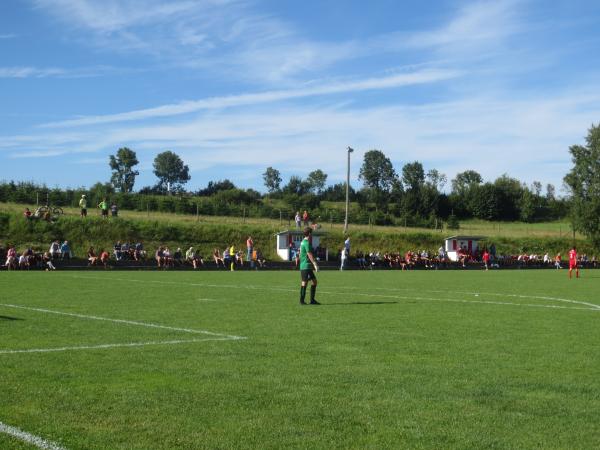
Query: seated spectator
[
  {"x": 54, "y": 249},
  {"x": 226, "y": 257},
  {"x": 139, "y": 252},
  {"x": 92, "y": 257},
  {"x": 104, "y": 257},
  {"x": 260, "y": 259},
  {"x": 191, "y": 257},
  {"x": 23, "y": 261},
  {"x": 239, "y": 258},
  {"x": 11, "y": 259},
  {"x": 117, "y": 251},
  {"x": 65, "y": 250},
  {"x": 27, "y": 214},
  {"x": 47, "y": 261},
  {"x": 217, "y": 257},
  {"x": 167, "y": 257},
  {"x": 160, "y": 257},
  {"x": 178, "y": 257}
]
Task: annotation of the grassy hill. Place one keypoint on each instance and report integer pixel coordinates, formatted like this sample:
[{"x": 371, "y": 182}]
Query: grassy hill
[{"x": 208, "y": 232}]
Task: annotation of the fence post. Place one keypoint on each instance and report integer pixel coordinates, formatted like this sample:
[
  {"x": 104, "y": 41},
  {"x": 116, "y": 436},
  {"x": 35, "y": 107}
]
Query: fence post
[{"x": 197, "y": 213}]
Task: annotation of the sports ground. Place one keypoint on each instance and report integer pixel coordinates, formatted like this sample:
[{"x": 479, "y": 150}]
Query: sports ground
[{"x": 165, "y": 360}]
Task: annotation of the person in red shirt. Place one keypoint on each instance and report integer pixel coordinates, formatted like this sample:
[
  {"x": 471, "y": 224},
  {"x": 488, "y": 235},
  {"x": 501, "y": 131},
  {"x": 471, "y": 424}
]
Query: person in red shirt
[
  {"x": 486, "y": 259},
  {"x": 104, "y": 256},
  {"x": 573, "y": 263}
]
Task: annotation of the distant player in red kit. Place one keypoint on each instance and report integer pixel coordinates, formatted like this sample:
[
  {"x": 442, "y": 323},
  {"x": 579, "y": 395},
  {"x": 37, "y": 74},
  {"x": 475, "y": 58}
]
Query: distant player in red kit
[{"x": 573, "y": 262}]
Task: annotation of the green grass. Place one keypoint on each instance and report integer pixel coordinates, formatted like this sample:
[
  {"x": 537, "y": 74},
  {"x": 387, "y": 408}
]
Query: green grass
[
  {"x": 558, "y": 229},
  {"x": 390, "y": 360}
]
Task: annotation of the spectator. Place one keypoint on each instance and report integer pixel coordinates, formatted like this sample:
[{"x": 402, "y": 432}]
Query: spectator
[
  {"x": 298, "y": 219},
  {"x": 92, "y": 257},
  {"x": 114, "y": 210},
  {"x": 104, "y": 256},
  {"x": 103, "y": 205},
  {"x": 65, "y": 250},
  {"x": 558, "y": 261},
  {"x": 343, "y": 258},
  {"x": 23, "y": 261},
  {"x": 178, "y": 257},
  {"x": 117, "y": 251},
  {"x": 11, "y": 258},
  {"x": 305, "y": 218},
  {"x": 226, "y": 258},
  {"x": 347, "y": 245},
  {"x": 217, "y": 257},
  {"x": 54, "y": 249},
  {"x": 139, "y": 253},
  {"x": 167, "y": 258},
  {"x": 232, "y": 257},
  {"x": 27, "y": 214},
  {"x": 190, "y": 256},
  {"x": 159, "y": 257},
  {"x": 260, "y": 258},
  {"x": 83, "y": 206},
  {"x": 249, "y": 250},
  {"x": 48, "y": 262}
]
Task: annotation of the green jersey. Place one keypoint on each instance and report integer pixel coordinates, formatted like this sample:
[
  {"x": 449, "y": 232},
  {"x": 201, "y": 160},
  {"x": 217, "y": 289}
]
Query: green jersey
[{"x": 305, "y": 249}]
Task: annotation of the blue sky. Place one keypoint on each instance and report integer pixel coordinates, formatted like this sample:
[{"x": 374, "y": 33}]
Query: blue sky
[{"x": 234, "y": 86}]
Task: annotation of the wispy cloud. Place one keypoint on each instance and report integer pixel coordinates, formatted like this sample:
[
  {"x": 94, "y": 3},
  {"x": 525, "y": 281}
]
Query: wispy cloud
[
  {"x": 59, "y": 72},
  {"x": 8, "y": 36},
  {"x": 394, "y": 81}
]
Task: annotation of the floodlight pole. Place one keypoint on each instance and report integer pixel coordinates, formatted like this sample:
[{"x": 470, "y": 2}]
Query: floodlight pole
[{"x": 350, "y": 150}]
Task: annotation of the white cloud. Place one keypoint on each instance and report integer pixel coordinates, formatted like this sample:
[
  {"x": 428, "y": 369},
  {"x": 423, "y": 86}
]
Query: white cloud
[
  {"x": 393, "y": 81},
  {"x": 8, "y": 36},
  {"x": 30, "y": 72}
]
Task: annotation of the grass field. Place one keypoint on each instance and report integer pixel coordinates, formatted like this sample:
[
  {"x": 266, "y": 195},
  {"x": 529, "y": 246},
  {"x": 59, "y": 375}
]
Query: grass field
[
  {"x": 560, "y": 229},
  {"x": 149, "y": 360}
]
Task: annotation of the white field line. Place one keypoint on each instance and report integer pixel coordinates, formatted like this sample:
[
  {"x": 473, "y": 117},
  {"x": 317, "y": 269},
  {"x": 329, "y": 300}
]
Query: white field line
[
  {"x": 589, "y": 306},
  {"x": 29, "y": 438},
  {"x": 491, "y": 294},
  {"x": 207, "y": 300},
  {"x": 127, "y": 322},
  {"x": 105, "y": 346}
]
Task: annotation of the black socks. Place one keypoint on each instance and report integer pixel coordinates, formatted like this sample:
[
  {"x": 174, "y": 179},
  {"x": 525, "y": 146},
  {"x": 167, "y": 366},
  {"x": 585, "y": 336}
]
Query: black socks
[
  {"x": 302, "y": 293},
  {"x": 313, "y": 290}
]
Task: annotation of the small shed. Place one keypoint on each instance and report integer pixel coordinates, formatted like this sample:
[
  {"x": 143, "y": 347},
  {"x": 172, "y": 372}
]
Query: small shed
[
  {"x": 469, "y": 244},
  {"x": 291, "y": 239}
]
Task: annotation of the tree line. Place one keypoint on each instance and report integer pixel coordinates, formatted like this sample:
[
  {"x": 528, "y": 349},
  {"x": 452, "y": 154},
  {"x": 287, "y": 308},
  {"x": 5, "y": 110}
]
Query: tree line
[{"x": 409, "y": 195}]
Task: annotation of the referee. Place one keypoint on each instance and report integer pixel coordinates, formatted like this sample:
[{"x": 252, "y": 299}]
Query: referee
[{"x": 307, "y": 262}]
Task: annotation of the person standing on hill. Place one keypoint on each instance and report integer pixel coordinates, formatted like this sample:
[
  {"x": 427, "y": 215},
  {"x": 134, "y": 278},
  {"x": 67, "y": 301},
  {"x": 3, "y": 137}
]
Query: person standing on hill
[
  {"x": 83, "y": 206},
  {"x": 307, "y": 263},
  {"x": 103, "y": 205},
  {"x": 573, "y": 263}
]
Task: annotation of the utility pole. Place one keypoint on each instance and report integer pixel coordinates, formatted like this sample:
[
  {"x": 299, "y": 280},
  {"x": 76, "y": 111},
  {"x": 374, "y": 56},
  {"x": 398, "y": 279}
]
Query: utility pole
[{"x": 350, "y": 150}]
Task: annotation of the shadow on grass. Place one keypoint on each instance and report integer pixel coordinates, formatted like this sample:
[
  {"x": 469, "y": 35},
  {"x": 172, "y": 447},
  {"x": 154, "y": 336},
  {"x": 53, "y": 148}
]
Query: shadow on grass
[
  {"x": 10, "y": 318},
  {"x": 359, "y": 303}
]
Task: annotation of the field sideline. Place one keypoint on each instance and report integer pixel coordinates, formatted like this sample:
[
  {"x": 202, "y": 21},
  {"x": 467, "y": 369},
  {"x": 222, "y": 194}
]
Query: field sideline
[{"x": 164, "y": 360}]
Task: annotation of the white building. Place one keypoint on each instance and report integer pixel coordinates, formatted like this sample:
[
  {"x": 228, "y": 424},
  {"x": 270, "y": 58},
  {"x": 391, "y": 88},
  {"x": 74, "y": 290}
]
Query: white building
[
  {"x": 453, "y": 244},
  {"x": 287, "y": 237}
]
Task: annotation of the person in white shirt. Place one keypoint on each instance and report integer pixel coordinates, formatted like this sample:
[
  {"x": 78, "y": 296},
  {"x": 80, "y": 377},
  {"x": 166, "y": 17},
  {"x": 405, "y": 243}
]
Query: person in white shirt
[{"x": 343, "y": 258}]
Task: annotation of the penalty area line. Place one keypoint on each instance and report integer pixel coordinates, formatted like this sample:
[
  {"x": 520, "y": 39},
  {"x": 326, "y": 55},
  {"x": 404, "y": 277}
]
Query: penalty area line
[
  {"x": 123, "y": 321},
  {"x": 29, "y": 438}
]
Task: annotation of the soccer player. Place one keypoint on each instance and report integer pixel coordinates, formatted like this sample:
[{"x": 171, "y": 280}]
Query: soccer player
[
  {"x": 573, "y": 263},
  {"x": 307, "y": 262}
]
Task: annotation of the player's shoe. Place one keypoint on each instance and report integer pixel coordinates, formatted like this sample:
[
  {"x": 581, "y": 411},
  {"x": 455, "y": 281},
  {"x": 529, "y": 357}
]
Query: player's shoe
[
  {"x": 314, "y": 302},
  {"x": 302, "y": 302}
]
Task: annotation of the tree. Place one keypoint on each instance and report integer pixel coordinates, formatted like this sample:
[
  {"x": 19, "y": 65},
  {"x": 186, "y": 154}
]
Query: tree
[
  {"x": 413, "y": 176},
  {"x": 436, "y": 179},
  {"x": 272, "y": 179},
  {"x": 216, "y": 186},
  {"x": 123, "y": 177},
  {"x": 464, "y": 180},
  {"x": 170, "y": 171},
  {"x": 377, "y": 171},
  {"x": 295, "y": 186},
  {"x": 583, "y": 182},
  {"x": 316, "y": 181}
]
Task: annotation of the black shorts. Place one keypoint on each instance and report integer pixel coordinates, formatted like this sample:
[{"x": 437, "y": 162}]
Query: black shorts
[
  {"x": 105, "y": 212},
  {"x": 308, "y": 275},
  {"x": 83, "y": 211}
]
